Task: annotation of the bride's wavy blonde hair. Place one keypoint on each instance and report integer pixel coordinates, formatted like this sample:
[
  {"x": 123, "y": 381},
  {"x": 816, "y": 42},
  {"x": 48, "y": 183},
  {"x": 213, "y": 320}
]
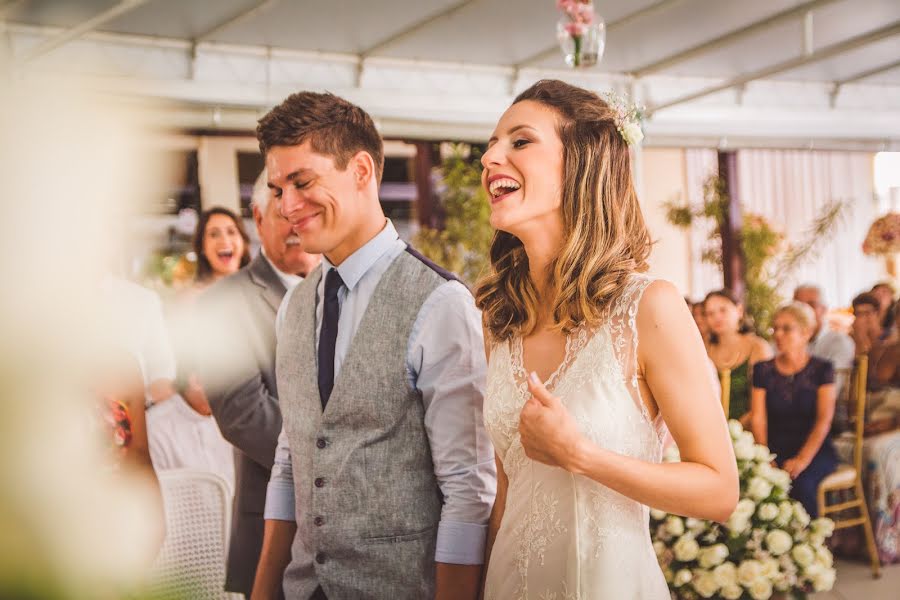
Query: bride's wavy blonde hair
[{"x": 605, "y": 236}]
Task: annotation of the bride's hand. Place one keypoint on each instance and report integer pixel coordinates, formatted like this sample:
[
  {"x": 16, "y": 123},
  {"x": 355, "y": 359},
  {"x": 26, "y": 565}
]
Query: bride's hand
[{"x": 549, "y": 433}]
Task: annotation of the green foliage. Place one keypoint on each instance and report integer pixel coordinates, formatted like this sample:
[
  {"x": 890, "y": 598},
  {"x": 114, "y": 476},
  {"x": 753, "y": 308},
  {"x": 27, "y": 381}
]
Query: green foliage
[
  {"x": 768, "y": 260},
  {"x": 463, "y": 245}
]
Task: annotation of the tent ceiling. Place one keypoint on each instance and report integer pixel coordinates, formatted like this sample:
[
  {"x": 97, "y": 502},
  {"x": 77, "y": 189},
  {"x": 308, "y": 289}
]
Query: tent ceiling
[{"x": 499, "y": 34}]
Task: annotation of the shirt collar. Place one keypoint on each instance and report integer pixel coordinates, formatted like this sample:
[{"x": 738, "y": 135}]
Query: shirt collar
[
  {"x": 357, "y": 264},
  {"x": 287, "y": 279}
]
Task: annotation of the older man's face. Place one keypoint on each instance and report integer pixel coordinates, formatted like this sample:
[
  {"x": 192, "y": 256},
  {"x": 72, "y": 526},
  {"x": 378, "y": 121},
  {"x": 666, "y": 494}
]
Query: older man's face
[
  {"x": 281, "y": 244},
  {"x": 812, "y": 298}
]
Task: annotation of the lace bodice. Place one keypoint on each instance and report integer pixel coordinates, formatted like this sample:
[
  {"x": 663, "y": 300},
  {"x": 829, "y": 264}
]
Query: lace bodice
[{"x": 563, "y": 535}]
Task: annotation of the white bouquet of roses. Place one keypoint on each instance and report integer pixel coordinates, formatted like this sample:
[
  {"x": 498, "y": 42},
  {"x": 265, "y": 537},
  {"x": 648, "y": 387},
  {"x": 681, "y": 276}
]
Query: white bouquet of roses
[{"x": 768, "y": 547}]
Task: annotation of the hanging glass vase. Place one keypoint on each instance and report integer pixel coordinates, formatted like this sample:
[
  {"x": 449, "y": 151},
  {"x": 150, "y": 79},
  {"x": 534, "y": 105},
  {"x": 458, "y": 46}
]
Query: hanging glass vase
[{"x": 582, "y": 44}]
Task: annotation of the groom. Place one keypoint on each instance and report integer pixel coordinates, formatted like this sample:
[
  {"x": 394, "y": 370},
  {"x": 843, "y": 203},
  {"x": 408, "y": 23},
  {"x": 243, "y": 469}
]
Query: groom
[{"x": 384, "y": 476}]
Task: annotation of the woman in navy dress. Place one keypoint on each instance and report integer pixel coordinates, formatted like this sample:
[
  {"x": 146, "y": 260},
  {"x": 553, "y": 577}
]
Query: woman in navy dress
[{"x": 793, "y": 405}]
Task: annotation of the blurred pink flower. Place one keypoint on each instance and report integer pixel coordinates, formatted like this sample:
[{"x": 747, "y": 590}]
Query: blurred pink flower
[{"x": 575, "y": 29}]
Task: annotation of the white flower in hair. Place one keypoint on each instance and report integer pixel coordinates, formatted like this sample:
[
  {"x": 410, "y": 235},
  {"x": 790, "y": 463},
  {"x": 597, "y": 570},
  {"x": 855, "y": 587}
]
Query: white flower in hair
[{"x": 628, "y": 118}]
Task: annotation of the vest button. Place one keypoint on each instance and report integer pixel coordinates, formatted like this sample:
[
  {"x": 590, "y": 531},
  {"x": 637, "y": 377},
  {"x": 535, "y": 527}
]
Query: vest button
[
  {"x": 319, "y": 521},
  {"x": 319, "y": 482},
  {"x": 321, "y": 443},
  {"x": 320, "y": 558}
]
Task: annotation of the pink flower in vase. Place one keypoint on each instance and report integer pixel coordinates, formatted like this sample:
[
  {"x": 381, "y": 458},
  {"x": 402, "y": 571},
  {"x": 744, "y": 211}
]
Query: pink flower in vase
[
  {"x": 575, "y": 29},
  {"x": 584, "y": 13}
]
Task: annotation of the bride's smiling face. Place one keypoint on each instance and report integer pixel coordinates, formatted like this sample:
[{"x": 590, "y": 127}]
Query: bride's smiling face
[{"x": 523, "y": 167}]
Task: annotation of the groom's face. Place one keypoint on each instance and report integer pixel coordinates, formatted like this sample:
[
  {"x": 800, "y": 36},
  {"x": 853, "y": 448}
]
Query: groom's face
[{"x": 320, "y": 201}]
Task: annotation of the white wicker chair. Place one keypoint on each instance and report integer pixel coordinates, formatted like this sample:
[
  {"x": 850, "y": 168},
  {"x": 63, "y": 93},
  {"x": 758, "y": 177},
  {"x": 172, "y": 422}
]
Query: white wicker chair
[{"x": 191, "y": 563}]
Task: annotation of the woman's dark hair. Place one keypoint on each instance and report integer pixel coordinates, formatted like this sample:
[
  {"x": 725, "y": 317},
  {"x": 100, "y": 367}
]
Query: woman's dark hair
[
  {"x": 746, "y": 324},
  {"x": 867, "y": 298},
  {"x": 204, "y": 269}
]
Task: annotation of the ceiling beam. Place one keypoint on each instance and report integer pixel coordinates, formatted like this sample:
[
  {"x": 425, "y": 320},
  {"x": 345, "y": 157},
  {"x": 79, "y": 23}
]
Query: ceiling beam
[
  {"x": 77, "y": 31},
  {"x": 820, "y": 54},
  {"x": 411, "y": 29},
  {"x": 867, "y": 74},
  {"x": 234, "y": 20},
  {"x": 554, "y": 49},
  {"x": 729, "y": 37}
]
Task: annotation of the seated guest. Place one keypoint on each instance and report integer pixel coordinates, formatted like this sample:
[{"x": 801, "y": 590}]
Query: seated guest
[
  {"x": 793, "y": 405},
  {"x": 699, "y": 319},
  {"x": 829, "y": 344},
  {"x": 885, "y": 293},
  {"x": 238, "y": 372},
  {"x": 867, "y": 333},
  {"x": 734, "y": 347}
]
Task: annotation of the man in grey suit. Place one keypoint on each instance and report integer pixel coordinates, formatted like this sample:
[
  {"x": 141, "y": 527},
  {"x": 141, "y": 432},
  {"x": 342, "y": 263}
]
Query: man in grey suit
[{"x": 238, "y": 372}]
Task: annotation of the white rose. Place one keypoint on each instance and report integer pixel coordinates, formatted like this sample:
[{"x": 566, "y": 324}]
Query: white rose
[
  {"x": 759, "y": 489},
  {"x": 713, "y": 555},
  {"x": 732, "y": 592},
  {"x": 725, "y": 575},
  {"x": 785, "y": 513},
  {"x": 803, "y": 555},
  {"x": 743, "y": 449},
  {"x": 659, "y": 547},
  {"x": 824, "y": 580},
  {"x": 735, "y": 428},
  {"x": 682, "y": 577},
  {"x": 748, "y": 572},
  {"x": 767, "y": 511},
  {"x": 675, "y": 526},
  {"x": 781, "y": 478},
  {"x": 769, "y": 568},
  {"x": 761, "y": 589},
  {"x": 658, "y": 515},
  {"x": 800, "y": 515},
  {"x": 738, "y": 524},
  {"x": 762, "y": 454},
  {"x": 823, "y": 526},
  {"x": 782, "y": 582},
  {"x": 778, "y": 542},
  {"x": 632, "y": 133},
  {"x": 686, "y": 548},
  {"x": 745, "y": 508},
  {"x": 824, "y": 557},
  {"x": 694, "y": 525},
  {"x": 704, "y": 583}
]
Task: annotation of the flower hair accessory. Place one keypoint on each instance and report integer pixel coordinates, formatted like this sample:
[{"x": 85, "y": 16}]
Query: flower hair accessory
[{"x": 628, "y": 118}]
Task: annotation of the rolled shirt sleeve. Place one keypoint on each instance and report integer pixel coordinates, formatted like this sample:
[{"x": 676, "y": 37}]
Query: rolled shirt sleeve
[
  {"x": 447, "y": 365},
  {"x": 280, "y": 491}
]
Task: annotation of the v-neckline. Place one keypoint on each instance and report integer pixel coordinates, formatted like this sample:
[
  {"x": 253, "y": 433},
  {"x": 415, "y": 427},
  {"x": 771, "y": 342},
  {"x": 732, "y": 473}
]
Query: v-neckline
[{"x": 520, "y": 376}]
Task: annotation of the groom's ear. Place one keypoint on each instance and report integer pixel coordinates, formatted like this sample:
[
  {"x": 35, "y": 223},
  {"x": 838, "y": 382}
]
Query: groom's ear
[{"x": 363, "y": 168}]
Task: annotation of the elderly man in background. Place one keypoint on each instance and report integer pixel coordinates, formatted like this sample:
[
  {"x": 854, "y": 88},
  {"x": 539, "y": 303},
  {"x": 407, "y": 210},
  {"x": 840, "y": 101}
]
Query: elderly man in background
[
  {"x": 831, "y": 345},
  {"x": 238, "y": 372},
  {"x": 826, "y": 343}
]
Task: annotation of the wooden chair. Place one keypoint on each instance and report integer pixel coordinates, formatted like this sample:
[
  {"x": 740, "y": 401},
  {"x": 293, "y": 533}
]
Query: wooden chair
[
  {"x": 848, "y": 478},
  {"x": 725, "y": 384}
]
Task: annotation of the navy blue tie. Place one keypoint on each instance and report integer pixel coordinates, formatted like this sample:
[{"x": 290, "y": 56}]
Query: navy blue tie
[{"x": 328, "y": 335}]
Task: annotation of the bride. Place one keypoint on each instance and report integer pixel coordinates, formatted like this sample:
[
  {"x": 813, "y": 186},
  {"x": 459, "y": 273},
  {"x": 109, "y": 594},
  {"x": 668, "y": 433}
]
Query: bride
[{"x": 589, "y": 362}]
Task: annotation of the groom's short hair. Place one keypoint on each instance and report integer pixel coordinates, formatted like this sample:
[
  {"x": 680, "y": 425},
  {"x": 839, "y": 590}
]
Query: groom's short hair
[{"x": 333, "y": 126}]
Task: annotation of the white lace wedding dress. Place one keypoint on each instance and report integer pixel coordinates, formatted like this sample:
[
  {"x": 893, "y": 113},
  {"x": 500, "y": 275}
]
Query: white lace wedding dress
[{"x": 563, "y": 536}]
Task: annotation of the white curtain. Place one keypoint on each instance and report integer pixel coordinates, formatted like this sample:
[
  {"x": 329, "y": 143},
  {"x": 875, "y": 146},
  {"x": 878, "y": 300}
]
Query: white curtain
[
  {"x": 789, "y": 189},
  {"x": 700, "y": 164}
]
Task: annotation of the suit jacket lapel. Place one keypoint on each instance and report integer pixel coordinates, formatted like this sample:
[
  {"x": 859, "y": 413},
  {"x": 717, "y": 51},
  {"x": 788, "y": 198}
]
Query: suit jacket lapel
[{"x": 263, "y": 275}]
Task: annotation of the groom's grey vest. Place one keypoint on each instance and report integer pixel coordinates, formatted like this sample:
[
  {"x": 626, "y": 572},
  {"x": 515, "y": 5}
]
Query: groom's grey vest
[{"x": 367, "y": 500}]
